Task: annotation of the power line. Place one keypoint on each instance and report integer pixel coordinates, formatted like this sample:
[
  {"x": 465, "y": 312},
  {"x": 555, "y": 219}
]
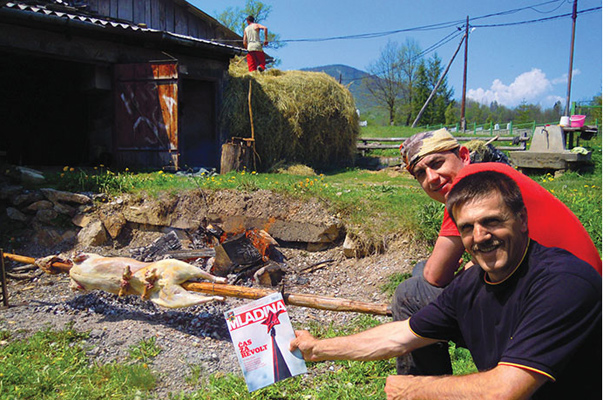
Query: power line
[
  {"x": 453, "y": 35},
  {"x": 443, "y": 25},
  {"x": 417, "y": 56},
  {"x": 437, "y": 26},
  {"x": 537, "y": 20},
  {"x": 516, "y": 10},
  {"x": 550, "y": 11}
]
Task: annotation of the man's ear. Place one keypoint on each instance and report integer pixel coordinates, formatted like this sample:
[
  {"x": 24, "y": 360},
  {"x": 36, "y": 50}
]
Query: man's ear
[
  {"x": 464, "y": 154},
  {"x": 522, "y": 215}
]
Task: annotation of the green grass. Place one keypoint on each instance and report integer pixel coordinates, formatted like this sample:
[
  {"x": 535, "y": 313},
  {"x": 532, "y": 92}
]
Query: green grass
[
  {"x": 389, "y": 131},
  {"x": 145, "y": 350},
  {"x": 328, "y": 380},
  {"x": 54, "y": 365},
  {"x": 393, "y": 281}
]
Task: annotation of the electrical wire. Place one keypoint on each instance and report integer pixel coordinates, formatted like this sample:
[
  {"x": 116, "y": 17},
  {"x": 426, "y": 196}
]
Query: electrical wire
[
  {"x": 437, "y": 26},
  {"x": 416, "y": 57},
  {"x": 536, "y": 20},
  {"x": 449, "y": 24},
  {"x": 443, "y": 25}
]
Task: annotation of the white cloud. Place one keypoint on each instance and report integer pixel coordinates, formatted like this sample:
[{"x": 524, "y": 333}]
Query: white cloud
[
  {"x": 552, "y": 99},
  {"x": 531, "y": 87},
  {"x": 564, "y": 78}
]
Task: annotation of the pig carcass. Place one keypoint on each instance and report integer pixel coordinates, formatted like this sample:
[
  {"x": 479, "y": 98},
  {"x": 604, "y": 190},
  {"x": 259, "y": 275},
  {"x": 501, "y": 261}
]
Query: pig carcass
[{"x": 159, "y": 281}]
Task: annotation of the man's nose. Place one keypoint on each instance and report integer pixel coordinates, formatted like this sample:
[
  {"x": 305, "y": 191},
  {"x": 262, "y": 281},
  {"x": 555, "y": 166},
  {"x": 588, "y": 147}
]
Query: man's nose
[
  {"x": 481, "y": 234},
  {"x": 431, "y": 175}
]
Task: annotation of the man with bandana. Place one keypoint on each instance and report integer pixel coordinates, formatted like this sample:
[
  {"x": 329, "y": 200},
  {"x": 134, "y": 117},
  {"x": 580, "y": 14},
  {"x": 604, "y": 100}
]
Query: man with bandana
[{"x": 437, "y": 161}]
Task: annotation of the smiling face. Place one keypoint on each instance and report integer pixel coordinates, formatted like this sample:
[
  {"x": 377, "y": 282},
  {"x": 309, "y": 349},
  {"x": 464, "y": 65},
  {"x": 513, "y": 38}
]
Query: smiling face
[
  {"x": 435, "y": 172},
  {"x": 493, "y": 234}
]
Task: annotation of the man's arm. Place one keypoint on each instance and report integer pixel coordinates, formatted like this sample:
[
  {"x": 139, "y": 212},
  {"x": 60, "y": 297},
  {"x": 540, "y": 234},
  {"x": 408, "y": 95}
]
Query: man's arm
[
  {"x": 245, "y": 41},
  {"x": 444, "y": 260},
  {"x": 501, "y": 382},
  {"x": 264, "y": 28},
  {"x": 382, "y": 342}
]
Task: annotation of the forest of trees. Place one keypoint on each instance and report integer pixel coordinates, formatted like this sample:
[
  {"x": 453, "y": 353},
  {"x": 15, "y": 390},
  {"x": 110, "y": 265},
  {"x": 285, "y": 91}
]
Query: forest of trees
[{"x": 401, "y": 81}]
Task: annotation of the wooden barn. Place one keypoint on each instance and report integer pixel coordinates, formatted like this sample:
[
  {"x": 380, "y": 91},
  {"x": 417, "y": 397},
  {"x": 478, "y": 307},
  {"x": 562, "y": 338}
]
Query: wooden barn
[{"x": 134, "y": 83}]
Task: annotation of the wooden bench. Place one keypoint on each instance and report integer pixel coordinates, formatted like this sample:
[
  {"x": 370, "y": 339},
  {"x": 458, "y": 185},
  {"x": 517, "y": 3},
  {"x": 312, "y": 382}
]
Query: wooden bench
[{"x": 366, "y": 143}]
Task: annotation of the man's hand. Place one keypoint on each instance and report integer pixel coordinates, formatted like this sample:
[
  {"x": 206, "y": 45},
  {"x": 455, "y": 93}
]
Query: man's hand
[
  {"x": 503, "y": 381},
  {"x": 403, "y": 386},
  {"x": 305, "y": 342}
]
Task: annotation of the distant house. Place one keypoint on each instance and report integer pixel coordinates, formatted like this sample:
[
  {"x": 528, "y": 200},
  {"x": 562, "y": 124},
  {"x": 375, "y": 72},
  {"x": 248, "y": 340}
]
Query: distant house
[{"x": 132, "y": 83}]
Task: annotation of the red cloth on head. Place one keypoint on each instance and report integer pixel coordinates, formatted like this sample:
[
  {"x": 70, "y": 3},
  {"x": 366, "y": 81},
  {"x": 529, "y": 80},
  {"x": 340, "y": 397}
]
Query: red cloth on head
[{"x": 551, "y": 223}]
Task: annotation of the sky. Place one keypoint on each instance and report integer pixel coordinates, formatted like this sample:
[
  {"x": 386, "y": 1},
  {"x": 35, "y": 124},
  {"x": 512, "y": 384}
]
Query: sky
[{"x": 523, "y": 62}]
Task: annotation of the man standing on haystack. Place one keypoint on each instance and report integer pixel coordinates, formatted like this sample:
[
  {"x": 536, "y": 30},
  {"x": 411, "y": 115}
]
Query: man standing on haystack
[{"x": 252, "y": 42}]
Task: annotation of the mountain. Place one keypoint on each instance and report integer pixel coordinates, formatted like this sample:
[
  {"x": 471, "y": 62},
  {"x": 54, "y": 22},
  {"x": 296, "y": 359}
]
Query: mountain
[{"x": 352, "y": 78}]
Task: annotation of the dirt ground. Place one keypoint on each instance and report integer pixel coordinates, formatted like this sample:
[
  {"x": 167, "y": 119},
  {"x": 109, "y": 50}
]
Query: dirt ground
[{"x": 195, "y": 335}]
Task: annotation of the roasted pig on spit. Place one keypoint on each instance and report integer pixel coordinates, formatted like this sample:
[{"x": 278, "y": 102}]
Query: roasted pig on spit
[{"x": 159, "y": 281}]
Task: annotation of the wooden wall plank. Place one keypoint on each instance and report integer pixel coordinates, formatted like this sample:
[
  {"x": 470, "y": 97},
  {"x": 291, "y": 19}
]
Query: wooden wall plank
[
  {"x": 193, "y": 25},
  {"x": 167, "y": 15},
  {"x": 181, "y": 21},
  {"x": 103, "y": 7},
  {"x": 156, "y": 22},
  {"x": 125, "y": 10},
  {"x": 141, "y": 13},
  {"x": 170, "y": 16}
]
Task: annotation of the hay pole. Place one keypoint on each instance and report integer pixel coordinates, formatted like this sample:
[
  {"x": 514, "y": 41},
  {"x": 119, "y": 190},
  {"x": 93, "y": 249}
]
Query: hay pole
[
  {"x": 251, "y": 123},
  {"x": 242, "y": 292},
  {"x": 493, "y": 139},
  {"x": 250, "y": 109}
]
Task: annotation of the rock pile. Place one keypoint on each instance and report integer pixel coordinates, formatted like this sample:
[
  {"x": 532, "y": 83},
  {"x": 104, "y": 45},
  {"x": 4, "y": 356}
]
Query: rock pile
[
  {"x": 82, "y": 220},
  {"x": 46, "y": 211}
]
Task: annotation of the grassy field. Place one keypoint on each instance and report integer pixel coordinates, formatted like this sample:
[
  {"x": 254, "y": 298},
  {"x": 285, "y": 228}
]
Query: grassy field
[{"x": 373, "y": 204}]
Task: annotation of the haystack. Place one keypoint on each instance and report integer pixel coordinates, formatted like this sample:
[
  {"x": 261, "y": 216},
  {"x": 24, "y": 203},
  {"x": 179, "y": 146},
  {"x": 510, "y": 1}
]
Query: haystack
[{"x": 298, "y": 117}]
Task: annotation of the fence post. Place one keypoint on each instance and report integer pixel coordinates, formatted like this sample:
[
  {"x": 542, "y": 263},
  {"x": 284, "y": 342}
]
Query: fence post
[
  {"x": 573, "y": 108},
  {"x": 533, "y": 127}
]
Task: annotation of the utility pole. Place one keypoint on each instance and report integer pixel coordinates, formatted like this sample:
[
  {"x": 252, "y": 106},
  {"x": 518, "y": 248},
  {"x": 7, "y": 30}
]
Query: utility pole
[
  {"x": 463, "y": 110},
  {"x": 574, "y": 12},
  {"x": 437, "y": 84}
]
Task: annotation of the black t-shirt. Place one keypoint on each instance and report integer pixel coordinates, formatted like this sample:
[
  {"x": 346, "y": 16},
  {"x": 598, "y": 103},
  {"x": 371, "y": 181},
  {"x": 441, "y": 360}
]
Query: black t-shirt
[{"x": 545, "y": 317}]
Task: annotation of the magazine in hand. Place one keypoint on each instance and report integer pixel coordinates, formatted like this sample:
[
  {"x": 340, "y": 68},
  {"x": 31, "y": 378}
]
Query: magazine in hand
[{"x": 261, "y": 333}]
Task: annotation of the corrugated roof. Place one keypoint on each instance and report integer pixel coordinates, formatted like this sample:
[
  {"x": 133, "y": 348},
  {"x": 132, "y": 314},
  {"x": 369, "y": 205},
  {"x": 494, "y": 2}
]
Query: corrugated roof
[{"x": 107, "y": 22}]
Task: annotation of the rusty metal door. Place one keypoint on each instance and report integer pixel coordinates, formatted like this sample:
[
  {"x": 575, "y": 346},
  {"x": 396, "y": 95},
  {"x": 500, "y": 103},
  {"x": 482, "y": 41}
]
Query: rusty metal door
[{"x": 146, "y": 107}]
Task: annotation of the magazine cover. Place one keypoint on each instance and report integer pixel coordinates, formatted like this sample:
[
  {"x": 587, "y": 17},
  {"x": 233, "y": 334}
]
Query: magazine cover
[{"x": 261, "y": 333}]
